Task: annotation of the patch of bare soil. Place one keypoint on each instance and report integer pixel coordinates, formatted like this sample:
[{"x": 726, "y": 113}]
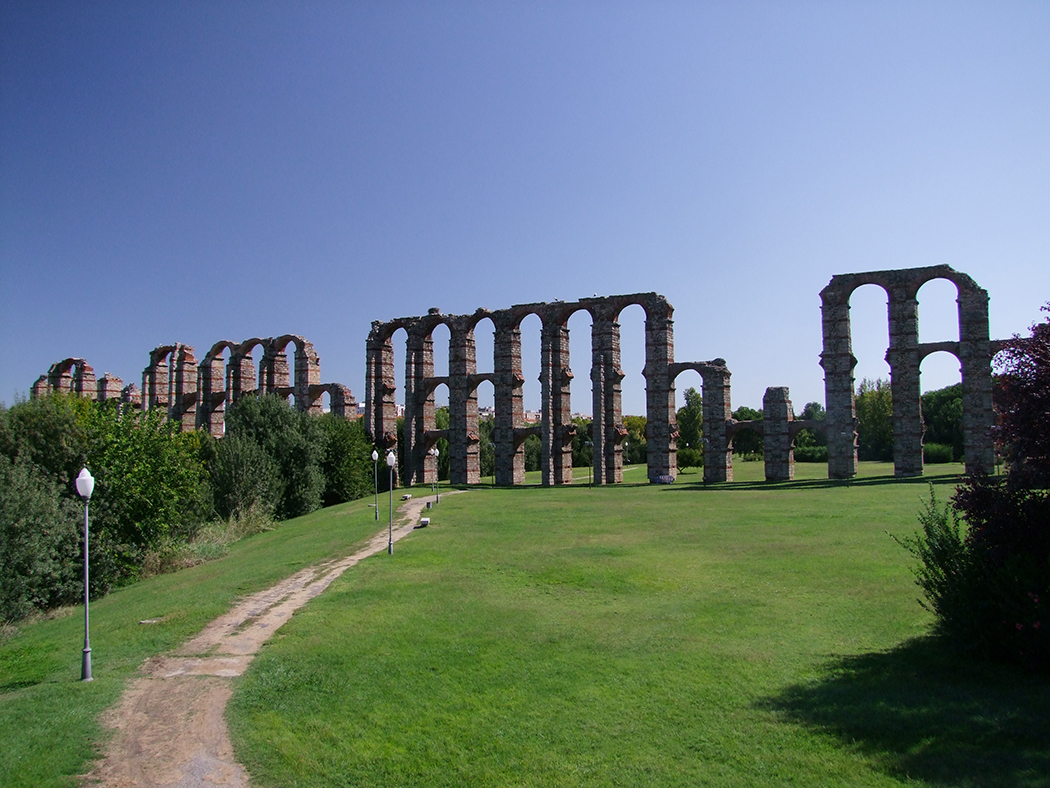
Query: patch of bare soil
[{"x": 169, "y": 726}]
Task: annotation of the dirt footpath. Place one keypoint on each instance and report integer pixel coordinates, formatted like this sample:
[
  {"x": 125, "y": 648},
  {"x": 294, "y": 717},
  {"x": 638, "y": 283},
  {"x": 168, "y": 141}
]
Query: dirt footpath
[{"x": 170, "y": 728}]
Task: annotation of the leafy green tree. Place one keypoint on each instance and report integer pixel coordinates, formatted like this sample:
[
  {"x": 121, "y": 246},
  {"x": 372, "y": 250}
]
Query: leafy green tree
[
  {"x": 942, "y": 413},
  {"x": 347, "y": 461},
  {"x": 637, "y": 448},
  {"x": 691, "y": 427},
  {"x": 295, "y": 441},
  {"x": 582, "y": 453},
  {"x": 243, "y": 477},
  {"x": 40, "y": 542},
  {"x": 747, "y": 443},
  {"x": 486, "y": 449},
  {"x": 533, "y": 448},
  {"x": 875, "y": 420}
]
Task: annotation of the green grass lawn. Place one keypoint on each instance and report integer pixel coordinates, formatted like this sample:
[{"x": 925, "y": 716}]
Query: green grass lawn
[{"x": 739, "y": 634}]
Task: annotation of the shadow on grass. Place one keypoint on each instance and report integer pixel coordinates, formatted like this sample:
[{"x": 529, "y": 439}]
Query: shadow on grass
[
  {"x": 819, "y": 484},
  {"x": 923, "y": 712}
]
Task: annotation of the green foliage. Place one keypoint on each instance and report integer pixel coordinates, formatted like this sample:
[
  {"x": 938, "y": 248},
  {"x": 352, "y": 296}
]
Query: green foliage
[
  {"x": 347, "y": 461},
  {"x": 637, "y": 448},
  {"x": 295, "y": 441},
  {"x": 747, "y": 443},
  {"x": 875, "y": 420},
  {"x": 806, "y": 438},
  {"x": 942, "y": 412},
  {"x": 243, "y": 477},
  {"x": 690, "y": 458},
  {"x": 486, "y": 449},
  {"x": 691, "y": 427},
  {"x": 811, "y": 453},
  {"x": 937, "y": 453},
  {"x": 533, "y": 448},
  {"x": 582, "y": 454},
  {"x": 40, "y": 542},
  {"x": 49, "y": 432}
]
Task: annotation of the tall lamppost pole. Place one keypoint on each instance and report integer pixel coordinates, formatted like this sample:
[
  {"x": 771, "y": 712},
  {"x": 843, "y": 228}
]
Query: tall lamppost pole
[
  {"x": 85, "y": 486},
  {"x": 433, "y": 452},
  {"x": 437, "y": 477},
  {"x": 375, "y": 479},
  {"x": 391, "y": 460}
]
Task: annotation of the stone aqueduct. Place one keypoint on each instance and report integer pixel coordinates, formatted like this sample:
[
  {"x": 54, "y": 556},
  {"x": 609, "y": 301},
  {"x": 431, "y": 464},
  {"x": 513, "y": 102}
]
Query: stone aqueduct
[{"x": 196, "y": 394}]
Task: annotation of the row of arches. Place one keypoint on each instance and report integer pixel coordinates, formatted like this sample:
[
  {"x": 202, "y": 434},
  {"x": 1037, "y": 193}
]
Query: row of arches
[
  {"x": 196, "y": 394},
  {"x": 973, "y": 349},
  {"x": 555, "y": 429}
]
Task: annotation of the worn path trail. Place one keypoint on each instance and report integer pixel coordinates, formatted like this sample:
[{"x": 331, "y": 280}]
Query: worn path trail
[{"x": 170, "y": 728}]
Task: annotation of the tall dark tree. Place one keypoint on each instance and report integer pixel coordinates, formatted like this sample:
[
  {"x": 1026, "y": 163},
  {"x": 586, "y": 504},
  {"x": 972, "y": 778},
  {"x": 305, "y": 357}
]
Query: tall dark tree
[
  {"x": 747, "y": 442},
  {"x": 691, "y": 421},
  {"x": 942, "y": 418}
]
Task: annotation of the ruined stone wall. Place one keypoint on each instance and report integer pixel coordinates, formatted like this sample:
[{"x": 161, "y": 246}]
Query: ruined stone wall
[
  {"x": 196, "y": 396},
  {"x": 974, "y": 351},
  {"x": 556, "y": 429}
]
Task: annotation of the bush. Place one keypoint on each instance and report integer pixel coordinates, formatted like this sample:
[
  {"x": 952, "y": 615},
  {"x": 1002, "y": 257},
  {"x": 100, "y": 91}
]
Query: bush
[
  {"x": 347, "y": 461},
  {"x": 811, "y": 454},
  {"x": 935, "y": 453},
  {"x": 243, "y": 477},
  {"x": 40, "y": 542},
  {"x": 690, "y": 458}
]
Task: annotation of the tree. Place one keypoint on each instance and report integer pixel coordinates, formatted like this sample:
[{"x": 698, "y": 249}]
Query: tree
[
  {"x": 988, "y": 583},
  {"x": 942, "y": 413},
  {"x": 582, "y": 454},
  {"x": 294, "y": 441},
  {"x": 875, "y": 420},
  {"x": 347, "y": 461},
  {"x": 747, "y": 442},
  {"x": 637, "y": 448},
  {"x": 811, "y": 445},
  {"x": 691, "y": 425}
]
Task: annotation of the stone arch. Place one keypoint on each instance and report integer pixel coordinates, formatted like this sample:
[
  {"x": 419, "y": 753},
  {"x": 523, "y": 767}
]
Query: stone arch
[
  {"x": 170, "y": 383},
  {"x": 275, "y": 374},
  {"x": 70, "y": 376},
  {"x": 904, "y": 354},
  {"x": 556, "y": 429},
  {"x": 717, "y": 415},
  {"x": 241, "y": 379},
  {"x": 214, "y": 387}
]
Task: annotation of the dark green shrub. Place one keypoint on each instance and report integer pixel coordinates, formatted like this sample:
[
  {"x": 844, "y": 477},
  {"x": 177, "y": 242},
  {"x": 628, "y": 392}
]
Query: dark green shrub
[
  {"x": 243, "y": 477},
  {"x": 935, "y": 453},
  {"x": 811, "y": 453},
  {"x": 690, "y": 458},
  {"x": 40, "y": 542},
  {"x": 347, "y": 461}
]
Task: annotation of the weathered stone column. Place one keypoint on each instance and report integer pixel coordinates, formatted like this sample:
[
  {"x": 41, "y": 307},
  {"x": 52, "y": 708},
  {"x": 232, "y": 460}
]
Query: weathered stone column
[
  {"x": 903, "y": 358},
  {"x": 156, "y": 391},
  {"x": 510, "y": 413},
  {"x": 380, "y": 385},
  {"x": 211, "y": 387},
  {"x": 108, "y": 387},
  {"x": 240, "y": 374},
  {"x": 419, "y": 403},
  {"x": 661, "y": 431},
  {"x": 184, "y": 389},
  {"x": 777, "y": 417},
  {"x": 464, "y": 463},
  {"x": 606, "y": 392},
  {"x": 717, "y": 410},
  {"x": 838, "y": 362},
  {"x": 307, "y": 375},
  {"x": 557, "y": 429},
  {"x": 975, "y": 358},
  {"x": 276, "y": 377}
]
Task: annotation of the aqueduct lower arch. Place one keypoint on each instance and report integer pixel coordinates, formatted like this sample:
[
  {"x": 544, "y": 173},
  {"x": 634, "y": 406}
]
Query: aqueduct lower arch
[
  {"x": 556, "y": 429},
  {"x": 974, "y": 351}
]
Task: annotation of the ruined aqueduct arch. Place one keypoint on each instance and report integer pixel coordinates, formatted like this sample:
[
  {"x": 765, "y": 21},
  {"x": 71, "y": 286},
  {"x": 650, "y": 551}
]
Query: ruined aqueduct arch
[
  {"x": 556, "y": 429},
  {"x": 974, "y": 350},
  {"x": 197, "y": 396}
]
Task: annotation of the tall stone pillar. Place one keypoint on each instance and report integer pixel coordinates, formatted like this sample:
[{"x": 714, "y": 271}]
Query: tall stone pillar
[
  {"x": 838, "y": 362},
  {"x": 240, "y": 373},
  {"x": 108, "y": 387},
  {"x": 274, "y": 371},
  {"x": 606, "y": 391},
  {"x": 464, "y": 440},
  {"x": 717, "y": 411},
  {"x": 211, "y": 385},
  {"x": 510, "y": 412},
  {"x": 307, "y": 374},
  {"x": 975, "y": 360},
  {"x": 557, "y": 429},
  {"x": 903, "y": 358},
  {"x": 156, "y": 391},
  {"x": 419, "y": 404},
  {"x": 184, "y": 389},
  {"x": 777, "y": 416},
  {"x": 380, "y": 385},
  {"x": 661, "y": 430}
]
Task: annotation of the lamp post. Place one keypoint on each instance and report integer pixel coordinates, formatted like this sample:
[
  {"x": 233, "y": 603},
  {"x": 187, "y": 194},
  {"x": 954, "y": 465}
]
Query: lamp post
[
  {"x": 437, "y": 476},
  {"x": 375, "y": 479},
  {"x": 391, "y": 460},
  {"x": 433, "y": 452},
  {"x": 85, "y": 486}
]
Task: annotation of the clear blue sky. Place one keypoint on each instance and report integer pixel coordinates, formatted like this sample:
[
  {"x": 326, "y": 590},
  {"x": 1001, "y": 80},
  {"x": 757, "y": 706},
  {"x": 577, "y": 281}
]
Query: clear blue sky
[{"x": 196, "y": 171}]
